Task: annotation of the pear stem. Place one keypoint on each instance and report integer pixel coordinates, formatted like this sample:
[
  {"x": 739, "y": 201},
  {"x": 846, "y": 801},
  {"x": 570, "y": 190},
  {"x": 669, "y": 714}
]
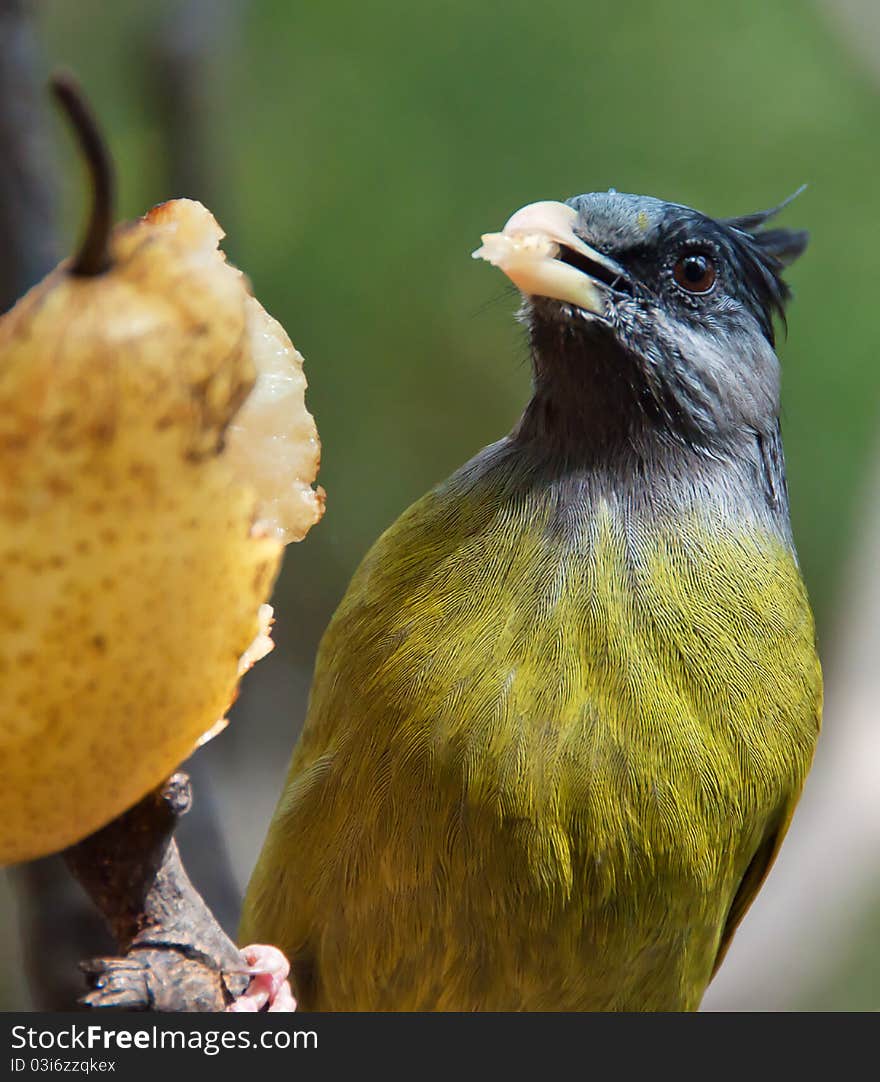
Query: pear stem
[{"x": 93, "y": 256}]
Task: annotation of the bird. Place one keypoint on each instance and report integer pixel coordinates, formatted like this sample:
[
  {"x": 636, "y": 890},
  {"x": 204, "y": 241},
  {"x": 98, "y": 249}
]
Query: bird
[{"x": 563, "y": 714}]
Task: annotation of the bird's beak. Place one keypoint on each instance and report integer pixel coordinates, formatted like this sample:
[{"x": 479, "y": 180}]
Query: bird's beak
[{"x": 542, "y": 255}]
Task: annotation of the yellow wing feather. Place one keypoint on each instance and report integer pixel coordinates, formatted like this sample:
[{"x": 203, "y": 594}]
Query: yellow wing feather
[{"x": 539, "y": 761}]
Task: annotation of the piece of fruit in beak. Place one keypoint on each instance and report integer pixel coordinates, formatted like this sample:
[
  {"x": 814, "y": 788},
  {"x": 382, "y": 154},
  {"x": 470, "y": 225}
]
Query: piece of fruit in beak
[{"x": 527, "y": 250}]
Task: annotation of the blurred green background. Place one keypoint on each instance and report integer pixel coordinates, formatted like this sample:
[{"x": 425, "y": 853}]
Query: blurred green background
[{"x": 355, "y": 153}]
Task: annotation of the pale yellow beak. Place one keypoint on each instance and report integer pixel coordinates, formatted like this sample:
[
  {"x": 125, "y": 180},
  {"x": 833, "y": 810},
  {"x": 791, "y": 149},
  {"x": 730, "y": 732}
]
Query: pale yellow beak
[{"x": 527, "y": 248}]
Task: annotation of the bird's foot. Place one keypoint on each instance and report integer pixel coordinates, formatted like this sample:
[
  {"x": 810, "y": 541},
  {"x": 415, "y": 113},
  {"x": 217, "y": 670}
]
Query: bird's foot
[{"x": 269, "y": 989}]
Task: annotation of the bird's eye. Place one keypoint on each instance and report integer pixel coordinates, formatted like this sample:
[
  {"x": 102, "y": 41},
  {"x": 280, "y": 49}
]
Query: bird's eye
[{"x": 695, "y": 272}]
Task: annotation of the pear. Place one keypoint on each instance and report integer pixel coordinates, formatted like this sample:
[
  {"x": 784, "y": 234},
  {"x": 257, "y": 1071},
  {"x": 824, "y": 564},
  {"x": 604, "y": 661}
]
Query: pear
[{"x": 156, "y": 455}]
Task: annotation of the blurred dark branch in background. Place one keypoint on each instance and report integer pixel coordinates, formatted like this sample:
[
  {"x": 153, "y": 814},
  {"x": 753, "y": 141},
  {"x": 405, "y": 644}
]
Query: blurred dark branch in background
[
  {"x": 186, "y": 64},
  {"x": 59, "y": 927},
  {"x": 204, "y": 849},
  {"x": 28, "y": 245}
]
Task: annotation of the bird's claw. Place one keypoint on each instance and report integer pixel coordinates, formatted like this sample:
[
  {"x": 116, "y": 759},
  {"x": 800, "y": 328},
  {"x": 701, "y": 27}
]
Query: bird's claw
[{"x": 269, "y": 989}]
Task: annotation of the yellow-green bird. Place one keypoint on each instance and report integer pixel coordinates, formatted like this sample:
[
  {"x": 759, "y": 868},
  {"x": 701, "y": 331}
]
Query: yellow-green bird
[{"x": 562, "y": 717}]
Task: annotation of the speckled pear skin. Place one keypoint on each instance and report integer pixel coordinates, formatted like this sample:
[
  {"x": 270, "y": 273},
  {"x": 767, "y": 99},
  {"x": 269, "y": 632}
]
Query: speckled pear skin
[{"x": 130, "y": 576}]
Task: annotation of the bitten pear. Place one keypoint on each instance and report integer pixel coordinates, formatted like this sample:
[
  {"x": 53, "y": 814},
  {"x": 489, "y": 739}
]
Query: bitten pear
[{"x": 155, "y": 456}]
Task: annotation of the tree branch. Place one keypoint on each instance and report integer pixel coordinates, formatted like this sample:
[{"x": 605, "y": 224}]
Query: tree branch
[{"x": 176, "y": 957}]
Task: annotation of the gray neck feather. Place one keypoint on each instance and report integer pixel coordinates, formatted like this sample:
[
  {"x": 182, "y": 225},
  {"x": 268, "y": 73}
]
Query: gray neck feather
[{"x": 592, "y": 433}]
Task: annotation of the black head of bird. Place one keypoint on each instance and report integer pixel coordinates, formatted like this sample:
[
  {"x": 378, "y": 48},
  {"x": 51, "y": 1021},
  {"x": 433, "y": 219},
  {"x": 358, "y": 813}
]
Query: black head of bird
[{"x": 647, "y": 317}]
